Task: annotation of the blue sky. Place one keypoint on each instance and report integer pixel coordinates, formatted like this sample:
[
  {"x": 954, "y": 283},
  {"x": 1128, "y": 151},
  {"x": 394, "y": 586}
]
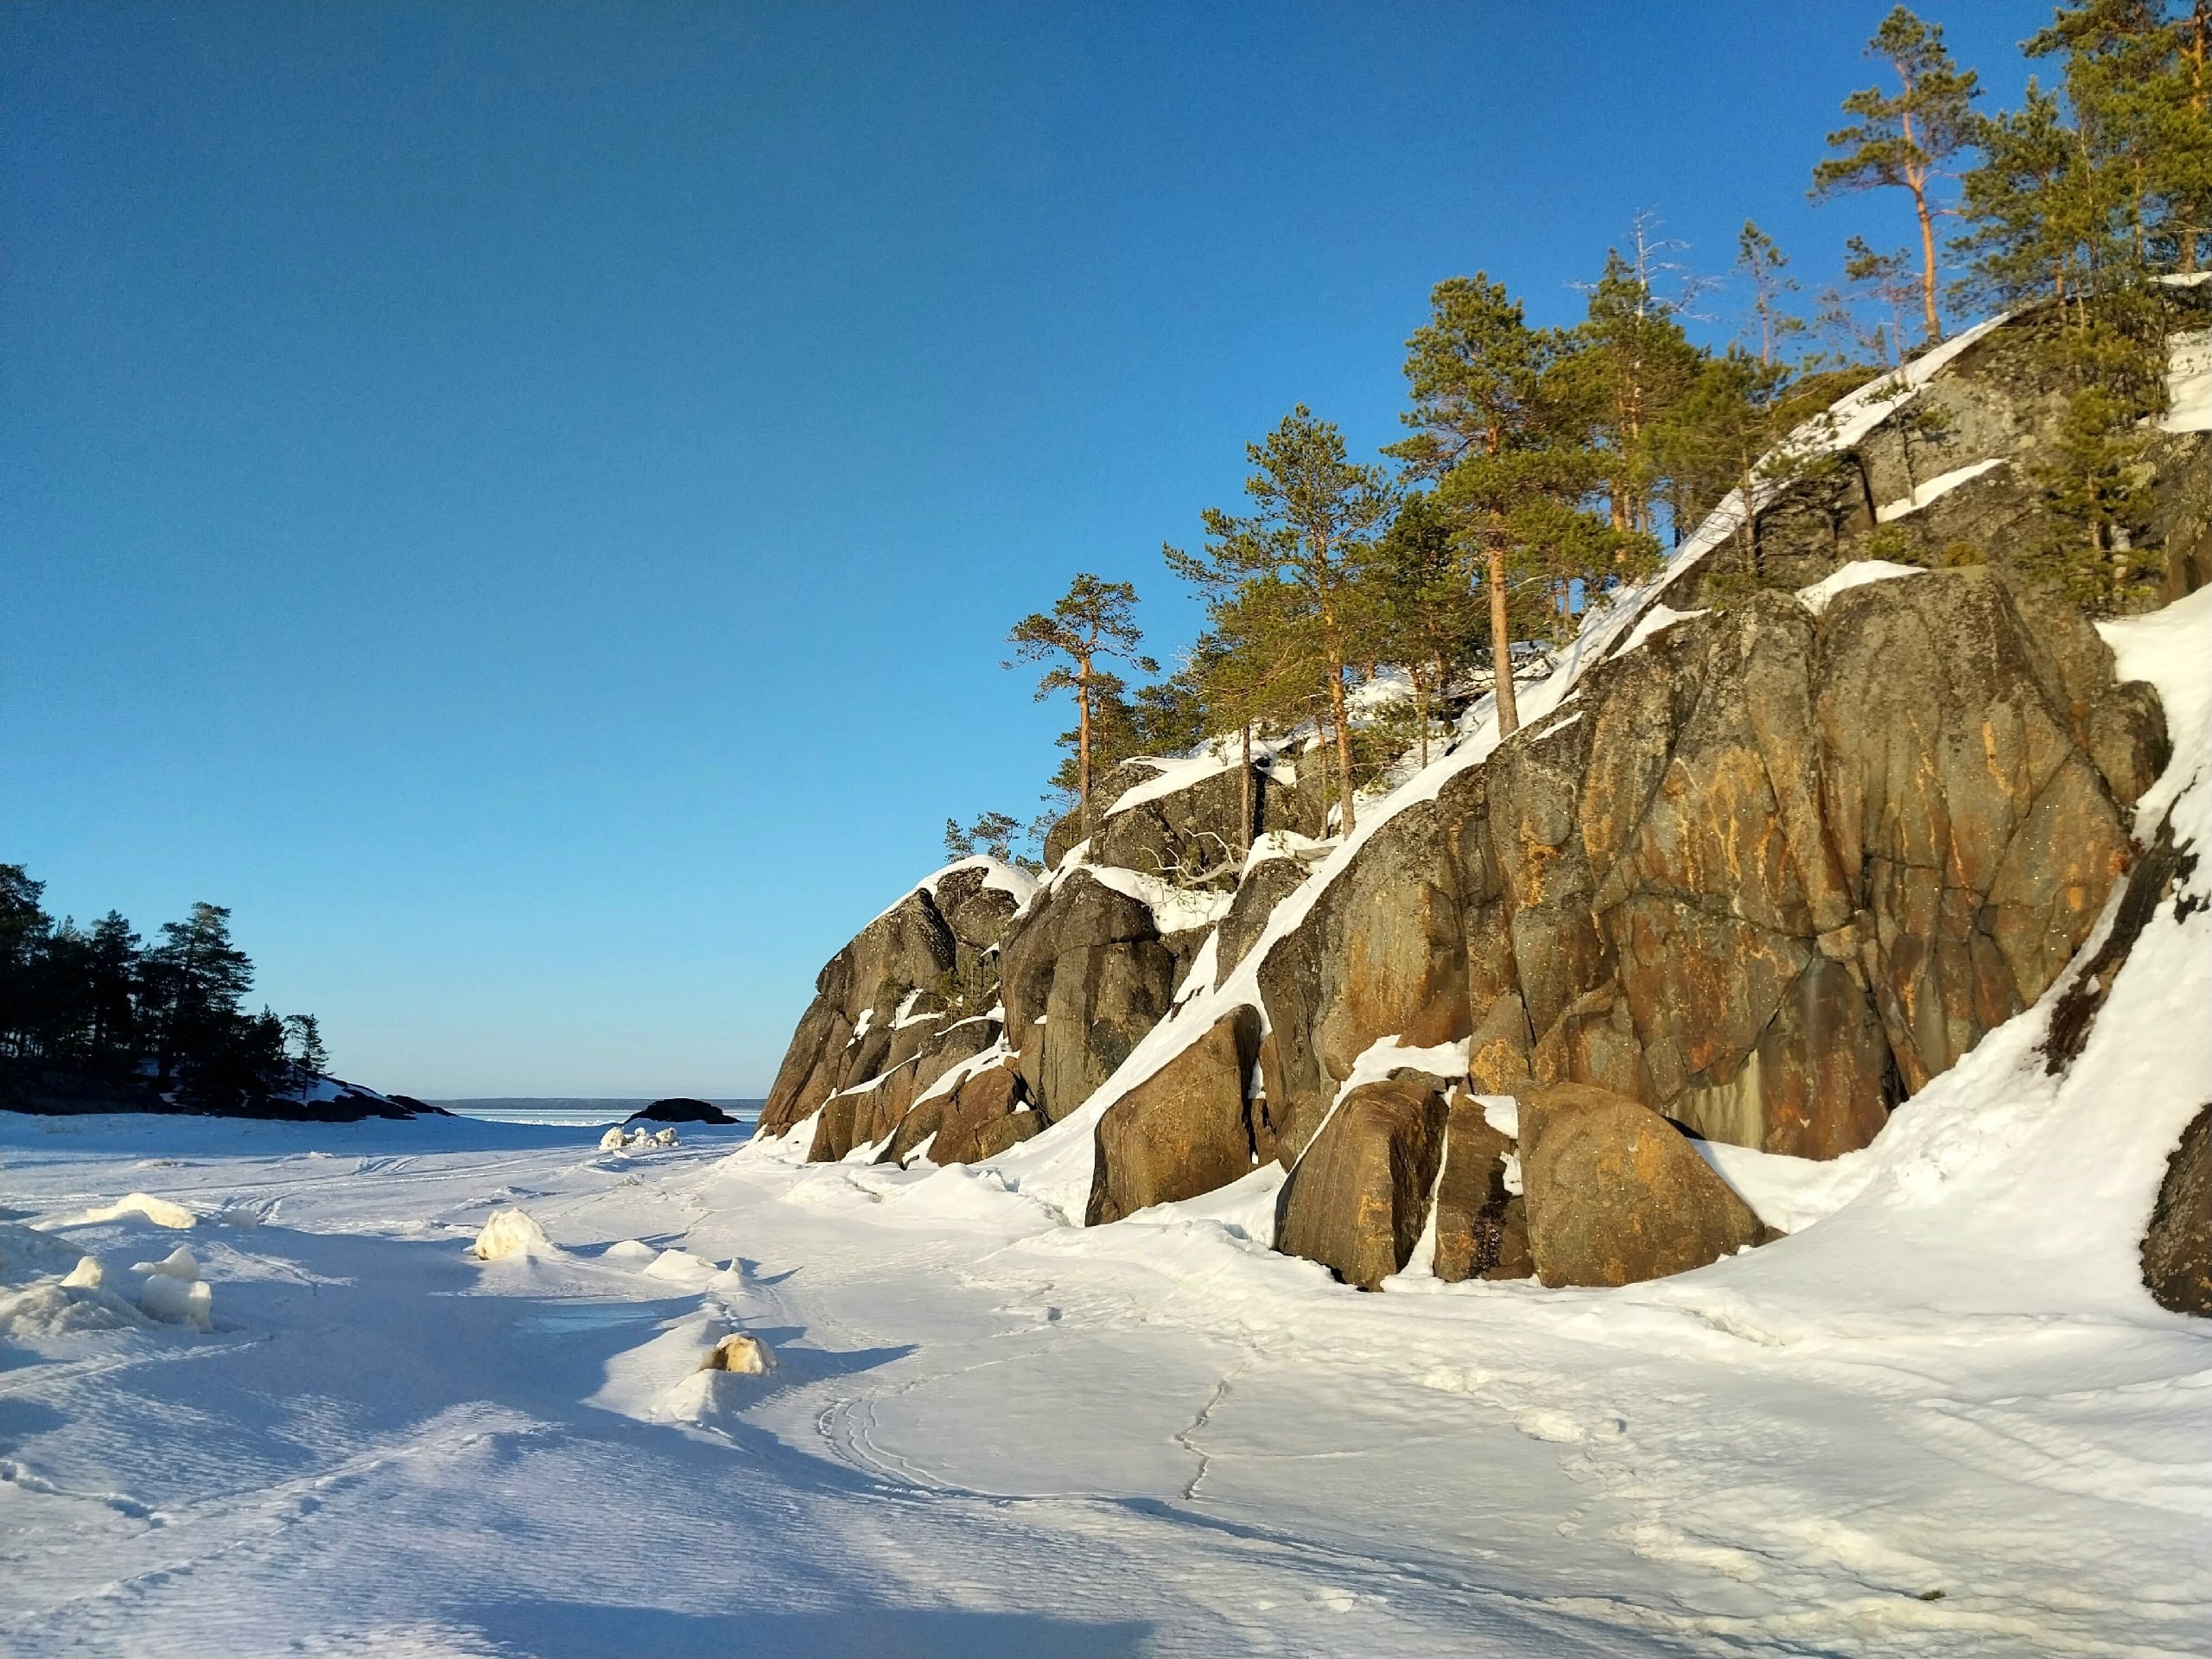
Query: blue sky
[{"x": 523, "y": 502}]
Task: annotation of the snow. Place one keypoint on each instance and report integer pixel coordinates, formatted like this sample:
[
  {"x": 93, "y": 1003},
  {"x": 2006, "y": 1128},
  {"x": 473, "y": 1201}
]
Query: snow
[
  {"x": 617, "y": 1139},
  {"x": 1935, "y": 489},
  {"x": 989, "y": 1431},
  {"x": 1657, "y": 620},
  {"x": 1857, "y": 573},
  {"x": 2189, "y": 383}
]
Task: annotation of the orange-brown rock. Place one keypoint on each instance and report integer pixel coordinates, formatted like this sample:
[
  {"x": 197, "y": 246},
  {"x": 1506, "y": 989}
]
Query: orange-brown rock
[
  {"x": 982, "y": 1099},
  {"x": 1616, "y": 1194}
]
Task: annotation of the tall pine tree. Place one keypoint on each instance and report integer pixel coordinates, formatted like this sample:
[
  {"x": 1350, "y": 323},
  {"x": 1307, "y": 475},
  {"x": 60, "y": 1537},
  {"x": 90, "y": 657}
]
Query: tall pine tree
[{"x": 1907, "y": 139}]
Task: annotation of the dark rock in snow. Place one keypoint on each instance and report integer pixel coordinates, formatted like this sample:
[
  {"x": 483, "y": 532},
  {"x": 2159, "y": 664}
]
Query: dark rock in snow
[
  {"x": 2177, "y": 1245},
  {"x": 1482, "y": 1229},
  {"x": 680, "y": 1109}
]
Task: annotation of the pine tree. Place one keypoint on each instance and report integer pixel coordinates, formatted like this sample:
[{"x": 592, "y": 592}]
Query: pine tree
[
  {"x": 1427, "y": 613},
  {"x": 2083, "y": 197},
  {"x": 112, "y": 988},
  {"x": 1315, "y": 518},
  {"x": 1762, "y": 263},
  {"x": 196, "y": 979},
  {"x": 24, "y": 926},
  {"x": 303, "y": 1047},
  {"x": 1501, "y": 422},
  {"x": 1622, "y": 369},
  {"x": 1092, "y": 622},
  {"x": 1255, "y": 666},
  {"x": 1720, "y": 438},
  {"x": 1905, "y": 140}
]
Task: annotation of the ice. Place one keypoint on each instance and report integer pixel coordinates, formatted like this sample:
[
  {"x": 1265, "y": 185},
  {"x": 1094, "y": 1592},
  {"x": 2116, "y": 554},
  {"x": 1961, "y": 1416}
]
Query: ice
[
  {"x": 179, "y": 1263},
  {"x": 176, "y": 1300},
  {"x": 510, "y": 1232}
]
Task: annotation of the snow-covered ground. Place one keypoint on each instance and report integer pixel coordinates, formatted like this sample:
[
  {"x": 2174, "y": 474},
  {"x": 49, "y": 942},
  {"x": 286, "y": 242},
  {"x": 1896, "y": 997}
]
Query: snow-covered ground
[{"x": 990, "y": 1433}]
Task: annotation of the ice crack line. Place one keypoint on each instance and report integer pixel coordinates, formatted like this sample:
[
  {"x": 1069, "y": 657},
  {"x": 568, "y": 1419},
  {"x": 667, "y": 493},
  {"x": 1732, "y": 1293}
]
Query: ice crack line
[{"x": 1205, "y": 1416}]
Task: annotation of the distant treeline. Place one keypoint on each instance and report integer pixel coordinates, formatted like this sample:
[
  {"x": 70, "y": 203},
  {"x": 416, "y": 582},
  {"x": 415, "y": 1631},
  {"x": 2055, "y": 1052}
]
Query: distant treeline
[
  {"x": 100, "y": 1001},
  {"x": 1544, "y": 466}
]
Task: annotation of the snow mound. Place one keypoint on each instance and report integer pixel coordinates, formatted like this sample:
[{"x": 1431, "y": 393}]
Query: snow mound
[
  {"x": 681, "y": 1266},
  {"x": 161, "y": 1211},
  {"x": 1857, "y": 573},
  {"x": 631, "y": 1250},
  {"x": 510, "y": 1232}
]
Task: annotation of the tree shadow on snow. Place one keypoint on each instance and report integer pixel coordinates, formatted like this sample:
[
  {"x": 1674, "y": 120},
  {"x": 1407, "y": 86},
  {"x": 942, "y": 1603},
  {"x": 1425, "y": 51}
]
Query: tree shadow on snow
[{"x": 556, "y": 1630}]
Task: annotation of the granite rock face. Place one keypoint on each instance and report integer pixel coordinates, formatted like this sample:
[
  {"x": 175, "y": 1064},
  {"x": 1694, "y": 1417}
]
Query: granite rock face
[{"x": 1185, "y": 1130}]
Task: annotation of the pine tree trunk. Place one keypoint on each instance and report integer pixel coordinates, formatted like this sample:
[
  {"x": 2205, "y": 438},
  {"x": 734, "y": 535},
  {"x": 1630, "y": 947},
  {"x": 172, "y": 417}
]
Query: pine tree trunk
[
  {"x": 1083, "y": 744},
  {"x": 1421, "y": 711},
  {"x": 1501, "y": 643},
  {"x": 1338, "y": 713},
  {"x": 1927, "y": 263},
  {"x": 1246, "y": 848}
]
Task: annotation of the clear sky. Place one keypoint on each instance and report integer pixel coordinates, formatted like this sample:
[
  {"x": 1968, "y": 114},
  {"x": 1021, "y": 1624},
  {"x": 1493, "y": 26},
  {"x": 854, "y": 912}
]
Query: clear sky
[{"x": 523, "y": 502}]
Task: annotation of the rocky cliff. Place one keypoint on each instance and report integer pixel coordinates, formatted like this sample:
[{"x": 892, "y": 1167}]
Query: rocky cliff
[{"x": 1789, "y": 831}]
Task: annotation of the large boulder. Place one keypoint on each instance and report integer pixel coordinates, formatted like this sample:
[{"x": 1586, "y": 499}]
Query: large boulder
[
  {"x": 1185, "y": 1130},
  {"x": 1357, "y": 1198},
  {"x": 984, "y": 1099},
  {"x": 1265, "y": 886},
  {"x": 1616, "y": 1194}
]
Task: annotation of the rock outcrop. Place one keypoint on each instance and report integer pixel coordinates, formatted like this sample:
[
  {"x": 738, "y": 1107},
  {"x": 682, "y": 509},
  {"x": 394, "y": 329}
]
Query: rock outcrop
[
  {"x": 915, "y": 993},
  {"x": 1764, "y": 866}
]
